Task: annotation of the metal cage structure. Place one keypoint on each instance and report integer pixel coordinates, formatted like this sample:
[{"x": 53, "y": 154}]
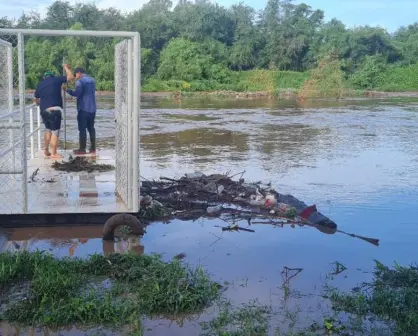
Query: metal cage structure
[{"x": 19, "y": 129}]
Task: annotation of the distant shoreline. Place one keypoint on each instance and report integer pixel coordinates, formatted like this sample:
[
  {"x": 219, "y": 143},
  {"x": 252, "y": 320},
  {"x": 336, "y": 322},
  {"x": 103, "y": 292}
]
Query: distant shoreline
[{"x": 282, "y": 94}]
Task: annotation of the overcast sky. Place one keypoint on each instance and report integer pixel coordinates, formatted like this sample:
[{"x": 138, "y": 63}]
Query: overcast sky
[{"x": 389, "y": 14}]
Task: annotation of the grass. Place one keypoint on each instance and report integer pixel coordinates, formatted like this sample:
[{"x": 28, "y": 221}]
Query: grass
[
  {"x": 119, "y": 290},
  {"x": 387, "y": 305},
  {"x": 254, "y": 319},
  {"x": 115, "y": 290},
  {"x": 248, "y": 320},
  {"x": 399, "y": 79},
  {"x": 391, "y": 299},
  {"x": 270, "y": 81},
  {"x": 325, "y": 81},
  {"x": 240, "y": 81}
]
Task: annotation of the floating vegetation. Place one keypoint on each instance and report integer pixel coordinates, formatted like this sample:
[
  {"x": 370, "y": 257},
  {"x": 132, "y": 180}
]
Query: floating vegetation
[{"x": 81, "y": 164}]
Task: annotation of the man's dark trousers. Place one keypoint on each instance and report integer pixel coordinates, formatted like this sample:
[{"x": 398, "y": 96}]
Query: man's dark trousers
[{"x": 86, "y": 123}]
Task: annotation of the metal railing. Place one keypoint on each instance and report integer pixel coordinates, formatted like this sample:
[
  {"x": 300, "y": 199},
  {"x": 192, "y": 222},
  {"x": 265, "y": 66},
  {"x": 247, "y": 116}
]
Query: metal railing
[
  {"x": 36, "y": 130},
  {"x": 13, "y": 125}
]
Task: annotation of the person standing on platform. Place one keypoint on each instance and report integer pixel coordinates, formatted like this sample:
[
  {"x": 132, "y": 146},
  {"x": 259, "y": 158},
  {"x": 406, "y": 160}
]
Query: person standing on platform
[
  {"x": 48, "y": 95},
  {"x": 85, "y": 92}
]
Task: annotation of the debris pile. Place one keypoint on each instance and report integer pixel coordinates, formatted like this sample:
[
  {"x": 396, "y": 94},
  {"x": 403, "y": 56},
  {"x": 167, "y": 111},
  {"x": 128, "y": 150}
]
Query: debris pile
[
  {"x": 81, "y": 164},
  {"x": 198, "y": 195}
]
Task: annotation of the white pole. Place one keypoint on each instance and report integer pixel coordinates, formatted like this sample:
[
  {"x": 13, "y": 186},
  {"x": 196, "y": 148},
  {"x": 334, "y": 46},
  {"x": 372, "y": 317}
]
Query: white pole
[
  {"x": 38, "y": 118},
  {"x": 129, "y": 126},
  {"x": 135, "y": 117},
  {"x": 32, "y": 145},
  {"x": 11, "y": 100},
  {"x": 64, "y": 105},
  {"x": 22, "y": 86}
]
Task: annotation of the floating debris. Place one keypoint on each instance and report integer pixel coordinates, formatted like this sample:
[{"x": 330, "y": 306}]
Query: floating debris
[
  {"x": 180, "y": 256},
  {"x": 81, "y": 164},
  {"x": 197, "y": 195}
]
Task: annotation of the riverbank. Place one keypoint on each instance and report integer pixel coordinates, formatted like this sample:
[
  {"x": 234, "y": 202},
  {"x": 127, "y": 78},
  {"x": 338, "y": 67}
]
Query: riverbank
[
  {"x": 290, "y": 94},
  {"x": 280, "y": 94}
]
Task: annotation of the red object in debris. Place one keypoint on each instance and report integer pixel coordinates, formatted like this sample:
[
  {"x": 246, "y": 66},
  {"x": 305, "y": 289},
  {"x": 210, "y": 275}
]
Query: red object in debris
[{"x": 308, "y": 211}]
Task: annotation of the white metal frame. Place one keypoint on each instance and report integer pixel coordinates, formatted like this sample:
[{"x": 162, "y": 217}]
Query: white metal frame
[
  {"x": 37, "y": 130},
  {"x": 134, "y": 99},
  {"x": 9, "y": 73},
  {"x": 11, "y": 126}
]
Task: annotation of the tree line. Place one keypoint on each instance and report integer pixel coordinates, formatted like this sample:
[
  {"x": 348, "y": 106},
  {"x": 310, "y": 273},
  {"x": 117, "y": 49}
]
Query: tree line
[{"x": 202, "y": 45}]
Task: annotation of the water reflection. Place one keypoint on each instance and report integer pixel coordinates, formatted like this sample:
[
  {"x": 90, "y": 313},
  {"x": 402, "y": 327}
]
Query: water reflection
[
  {"x": 66, "y": 241},
  {"x": 131, "y": 245},
  {"x": 197, "y": 143},
  {"x": 88, "y": 187}
]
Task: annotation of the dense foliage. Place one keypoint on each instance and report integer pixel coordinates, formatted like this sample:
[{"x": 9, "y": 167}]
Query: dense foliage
[{"x": 203, "y": 46}]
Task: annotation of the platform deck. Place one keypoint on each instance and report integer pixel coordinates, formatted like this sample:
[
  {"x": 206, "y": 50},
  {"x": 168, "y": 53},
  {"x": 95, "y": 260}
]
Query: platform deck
[{"x": 53, "y": 192}]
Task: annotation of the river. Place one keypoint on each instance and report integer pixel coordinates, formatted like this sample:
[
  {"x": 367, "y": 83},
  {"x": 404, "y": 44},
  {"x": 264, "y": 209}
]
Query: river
[{"x": 356, "y": 160}]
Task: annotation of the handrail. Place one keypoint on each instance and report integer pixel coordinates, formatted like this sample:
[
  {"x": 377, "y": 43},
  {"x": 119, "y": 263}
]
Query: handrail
[
  {"x": 31, "y": 134},
  {"x": 7, "y": 151},
  {"x": 8, "y": 115},
  {"x": 32, "y": 130}
]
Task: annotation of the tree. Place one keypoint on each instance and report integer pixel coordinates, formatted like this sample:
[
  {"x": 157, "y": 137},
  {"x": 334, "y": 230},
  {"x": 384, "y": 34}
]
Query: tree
[
  {"x": 407, "y": 41},
  {"x": 203, "y": 19},
  {"x": 31, "y": 20},
  {"x": 290, "y": 30},
  {"x": 41, "y": 56},
  {"x": 370, "y": 41},
  {"x": 153, "y": 22},
  {"x": 200, "y": 40},
  {"x": 188, "y": 61},
  {"x": 88, "y": 15},
  {"x": 59, "y": 16},
  {"x": 5, "y": 22},
  {"x": 332, "y": 37},
  {"x": 244, "y": 51}
]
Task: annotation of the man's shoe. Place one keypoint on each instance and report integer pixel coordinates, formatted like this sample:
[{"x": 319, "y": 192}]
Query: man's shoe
[{"x": 79, "y": 152}]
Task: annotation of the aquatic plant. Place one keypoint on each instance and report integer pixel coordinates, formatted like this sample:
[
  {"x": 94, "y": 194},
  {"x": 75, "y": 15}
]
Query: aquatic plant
[
  {"x": 387, "y": 305},
  {"x": 390, "y": 298},
  {"x": 249, "y": 319},
  {"x": 112, "y": 290},
  {"x": 79, "y": 164}
]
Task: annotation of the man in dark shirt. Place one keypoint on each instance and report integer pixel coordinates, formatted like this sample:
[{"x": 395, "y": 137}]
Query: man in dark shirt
[
  {"x": 85, "y": 92},
  {"x": 48, "y": 96}
]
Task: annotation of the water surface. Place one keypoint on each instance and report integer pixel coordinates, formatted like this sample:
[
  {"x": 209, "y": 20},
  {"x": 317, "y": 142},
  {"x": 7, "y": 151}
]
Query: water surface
[{"x": 357, "y": 160}]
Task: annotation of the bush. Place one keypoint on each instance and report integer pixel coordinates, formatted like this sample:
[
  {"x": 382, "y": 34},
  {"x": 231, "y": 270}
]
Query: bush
[
  {"x": 326, "y": 80},
  {"x": 368, "y": 76},
  {"x": 399, "y": 78},
  {"x": 270, "y": 80}
]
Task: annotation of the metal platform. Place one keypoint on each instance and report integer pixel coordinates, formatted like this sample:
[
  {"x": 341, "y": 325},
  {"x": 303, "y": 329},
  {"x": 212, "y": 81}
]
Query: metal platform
[{"x": 56, "y": 197}]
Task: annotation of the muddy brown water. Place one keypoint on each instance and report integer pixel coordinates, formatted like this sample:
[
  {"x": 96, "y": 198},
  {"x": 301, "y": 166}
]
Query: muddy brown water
[{"x": 356, "y": 159}]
